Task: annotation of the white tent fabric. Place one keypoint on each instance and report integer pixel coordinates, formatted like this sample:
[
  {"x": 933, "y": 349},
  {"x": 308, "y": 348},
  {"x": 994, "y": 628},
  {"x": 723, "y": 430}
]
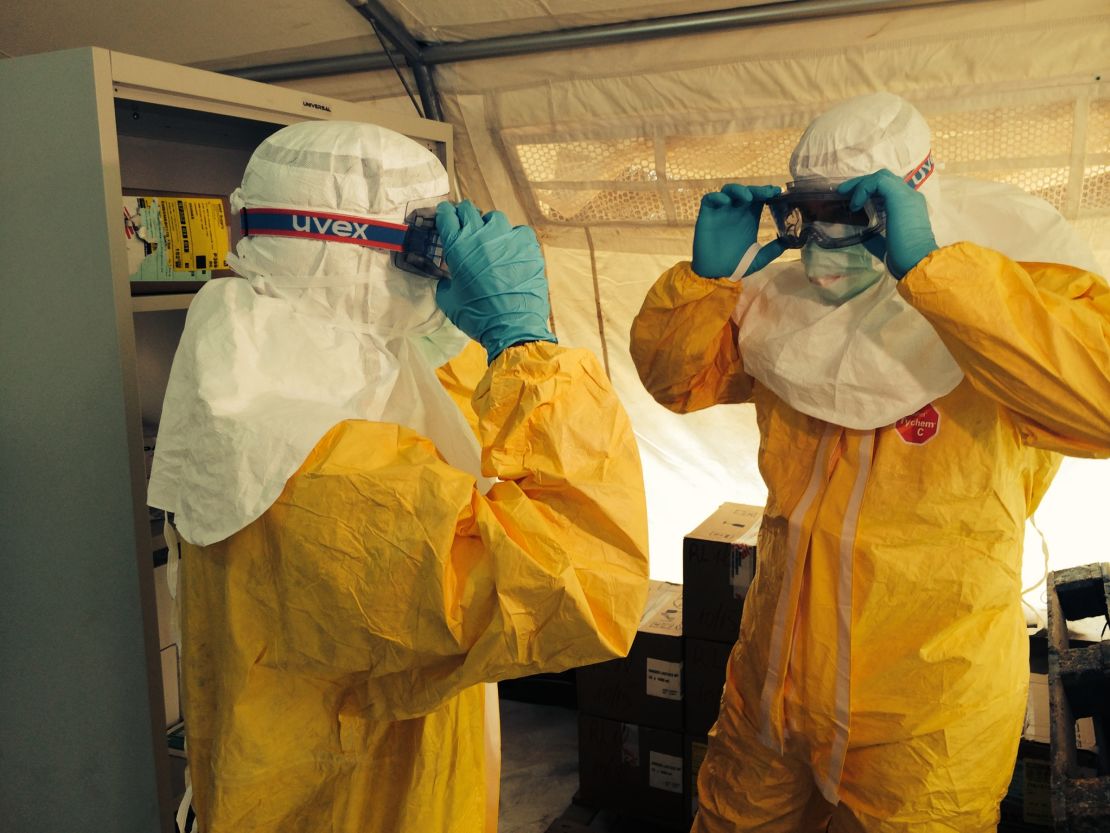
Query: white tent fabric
[{"x": 607, "y": 151}]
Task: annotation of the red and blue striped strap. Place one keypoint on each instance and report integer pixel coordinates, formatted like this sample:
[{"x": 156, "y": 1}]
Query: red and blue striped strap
[
  {"x": 916, "y": 178},
  {"x": 318, "y": 225}
]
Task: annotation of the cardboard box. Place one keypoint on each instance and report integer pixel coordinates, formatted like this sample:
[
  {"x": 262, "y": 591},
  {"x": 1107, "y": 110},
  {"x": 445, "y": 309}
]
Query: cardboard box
[
  {"x": 1036, "y": 726},
  {"x": 718, "y": 566},
  {"x": 1036, "y": 791},
  {"x": 703, "y": 667},
  {"x": 634, "y": 770},
  {"x": 644, "y": 688},
  {"x": 696, "y": 747},
  {"x": 1027, "y": 803}
]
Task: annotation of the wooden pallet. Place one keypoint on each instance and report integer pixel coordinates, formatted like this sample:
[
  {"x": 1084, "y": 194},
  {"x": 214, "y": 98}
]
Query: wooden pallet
[{"x": 1079, "y": 686}]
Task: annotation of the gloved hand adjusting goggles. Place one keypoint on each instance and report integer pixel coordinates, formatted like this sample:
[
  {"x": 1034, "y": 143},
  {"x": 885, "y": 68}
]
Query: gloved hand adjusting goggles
[
  {"x": 414, "y": 244},
  {"x": 813, "y": 211}
]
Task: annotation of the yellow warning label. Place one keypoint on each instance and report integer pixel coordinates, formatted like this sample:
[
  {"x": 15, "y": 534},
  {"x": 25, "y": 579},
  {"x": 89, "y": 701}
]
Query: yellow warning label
[{"x": 196, "y": 233}]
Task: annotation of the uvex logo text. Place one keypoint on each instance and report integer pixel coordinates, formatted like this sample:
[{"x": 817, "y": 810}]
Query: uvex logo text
[
  {"x": 341, "y": 228},
  {"x": 330, "y": 227}
]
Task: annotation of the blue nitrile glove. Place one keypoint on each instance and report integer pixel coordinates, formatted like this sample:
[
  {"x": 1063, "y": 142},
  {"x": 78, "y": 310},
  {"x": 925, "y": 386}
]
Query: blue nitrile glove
[
  {"x": 909, "y": 234},
  {"x": 726, "y": 228},
  {"x": 497, "y": 293}
]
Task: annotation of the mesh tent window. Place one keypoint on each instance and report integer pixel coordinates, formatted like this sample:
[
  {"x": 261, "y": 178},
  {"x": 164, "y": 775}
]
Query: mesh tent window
[{"x": 1057, "y": 149}]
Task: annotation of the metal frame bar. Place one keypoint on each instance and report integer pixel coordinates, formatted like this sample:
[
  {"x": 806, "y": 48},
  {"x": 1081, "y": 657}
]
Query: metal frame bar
[
  {"x": 638, "y": 30},
  {"x": 380, "y": 18},
  {"x": 605, "y": 34}
]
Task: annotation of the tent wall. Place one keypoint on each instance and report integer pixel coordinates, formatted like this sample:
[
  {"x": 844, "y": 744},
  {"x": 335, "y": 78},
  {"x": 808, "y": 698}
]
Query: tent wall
[{"x": 607, "y": 150}]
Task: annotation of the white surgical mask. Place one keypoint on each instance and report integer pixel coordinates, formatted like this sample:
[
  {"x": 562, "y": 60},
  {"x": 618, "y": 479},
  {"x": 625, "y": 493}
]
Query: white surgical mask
[{"x": 840, "y": 274}]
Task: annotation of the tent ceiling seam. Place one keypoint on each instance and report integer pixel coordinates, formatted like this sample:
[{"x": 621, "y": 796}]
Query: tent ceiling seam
[
  {"x": 597, "y": 301},
  {"x": 663, "y": 186},
  {"x": 550, "y": 300},
  {"x": 1078, "y": 162}
]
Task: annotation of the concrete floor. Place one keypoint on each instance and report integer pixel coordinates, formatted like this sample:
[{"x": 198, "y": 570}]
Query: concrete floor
[
  {"x": 539, "y": 765},
  {"x": 539, "y": 774}
]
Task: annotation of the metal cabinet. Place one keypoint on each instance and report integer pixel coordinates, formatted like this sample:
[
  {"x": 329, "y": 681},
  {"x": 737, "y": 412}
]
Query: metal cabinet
[{"x": 83, "y": 362}]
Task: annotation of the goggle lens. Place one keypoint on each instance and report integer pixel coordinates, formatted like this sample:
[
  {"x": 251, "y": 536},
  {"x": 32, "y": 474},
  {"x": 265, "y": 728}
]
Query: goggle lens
[{"x": 824, "y": 218}]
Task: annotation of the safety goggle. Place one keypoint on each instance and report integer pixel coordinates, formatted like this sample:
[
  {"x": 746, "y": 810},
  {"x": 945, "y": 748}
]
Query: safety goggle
[
  {"x": 809, "y": 212},
  {"x": 422, "y": 249},
  {"x": 415, "y": 245}
]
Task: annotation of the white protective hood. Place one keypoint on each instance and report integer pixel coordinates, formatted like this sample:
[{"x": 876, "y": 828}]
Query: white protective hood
[
  {"x": 874, "y": 359},
  {"x": 317, "y": 333}
]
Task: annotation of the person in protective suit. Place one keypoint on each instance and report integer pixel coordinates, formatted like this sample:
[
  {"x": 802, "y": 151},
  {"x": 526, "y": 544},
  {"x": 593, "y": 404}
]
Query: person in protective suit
[
  {"x": 913, "y": 394},
  {"x": 356, "y": 567}
]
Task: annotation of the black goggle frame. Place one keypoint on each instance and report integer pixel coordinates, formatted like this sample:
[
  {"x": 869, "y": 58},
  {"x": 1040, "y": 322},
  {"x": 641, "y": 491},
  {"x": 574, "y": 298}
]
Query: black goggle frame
[
  {"x": 802, "y": 205},
  {"x": 422, "y": 250}
]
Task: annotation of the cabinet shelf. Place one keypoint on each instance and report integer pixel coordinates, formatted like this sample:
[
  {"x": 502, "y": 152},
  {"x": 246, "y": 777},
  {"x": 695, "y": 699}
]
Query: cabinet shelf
[
  {"x": 175, "y": 739},
  {"x": 159, "y": 303}
]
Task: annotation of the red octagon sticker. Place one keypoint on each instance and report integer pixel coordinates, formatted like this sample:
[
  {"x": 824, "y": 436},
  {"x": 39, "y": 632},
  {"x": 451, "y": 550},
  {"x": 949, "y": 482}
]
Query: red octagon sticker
[{"x": 919, "y": 428}]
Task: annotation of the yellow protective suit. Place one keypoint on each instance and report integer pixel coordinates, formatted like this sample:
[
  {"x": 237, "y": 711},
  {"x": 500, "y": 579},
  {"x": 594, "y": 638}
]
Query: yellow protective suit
[
  {"x": 333, "y": 650},
  {"x": 881, "y": 672},
  {"x": 460, "y": 377}
]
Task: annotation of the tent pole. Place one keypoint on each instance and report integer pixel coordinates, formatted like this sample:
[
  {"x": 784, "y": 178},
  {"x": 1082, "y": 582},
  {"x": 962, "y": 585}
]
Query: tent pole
[
  {"x": 638, "y": 30},
  {"x": 605, "y": 34},
  {"x": 380, "y": 18}
]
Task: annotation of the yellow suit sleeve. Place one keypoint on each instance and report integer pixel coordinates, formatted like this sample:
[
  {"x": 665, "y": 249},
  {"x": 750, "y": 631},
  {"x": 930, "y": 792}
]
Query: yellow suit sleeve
[
  {"x": 391, "y": 570},
  {"x": 1035, "y": 337},
  {"x": 683, "y": 342},
  {"x": 460, "y": 376}
]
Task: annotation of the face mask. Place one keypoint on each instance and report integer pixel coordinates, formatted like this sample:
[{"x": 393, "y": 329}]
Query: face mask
[{"x": 838, "y": 275}]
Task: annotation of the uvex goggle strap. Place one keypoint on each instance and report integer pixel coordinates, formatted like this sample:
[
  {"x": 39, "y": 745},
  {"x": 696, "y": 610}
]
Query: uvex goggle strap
[
  {"x": 916, "y": 178},
  {"x": 415, "y": 245},
  {"x": 317, "y": 225}
]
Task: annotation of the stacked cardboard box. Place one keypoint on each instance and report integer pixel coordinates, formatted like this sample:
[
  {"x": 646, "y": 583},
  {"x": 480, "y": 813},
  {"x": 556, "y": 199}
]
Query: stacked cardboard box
[
  {"x": 630, "y": 751},
  {"x": 718, "y": 566},
  {"x": 643, "y": 719},
  {"x": 1027, "y": 805}
]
